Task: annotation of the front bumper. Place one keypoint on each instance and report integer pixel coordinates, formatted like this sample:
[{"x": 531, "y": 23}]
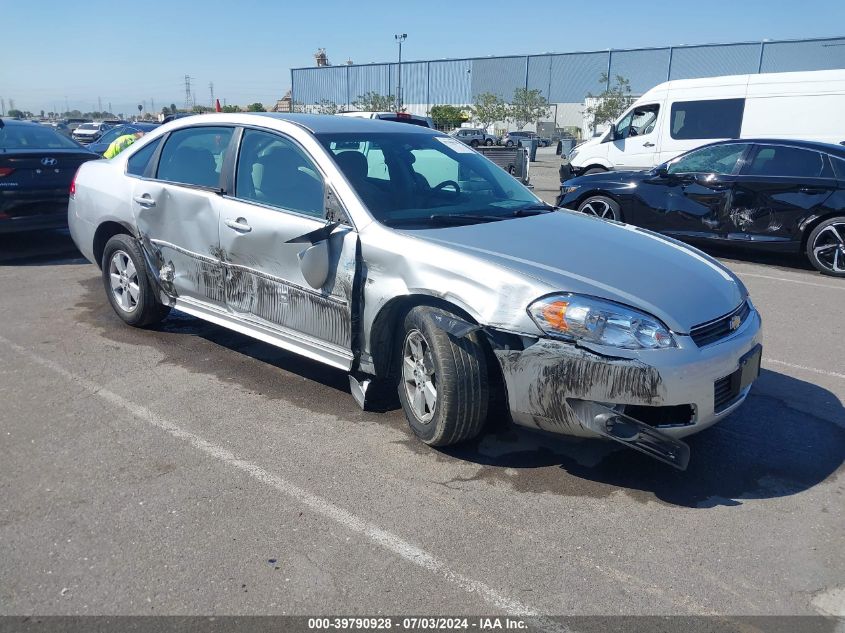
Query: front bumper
[{"x": 551, "y": 384}]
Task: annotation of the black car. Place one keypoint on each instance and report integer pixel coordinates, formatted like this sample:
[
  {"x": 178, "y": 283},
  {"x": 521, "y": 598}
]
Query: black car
[
  {"x": 774, "y": 194},
  {"x": 102, "y": 144},
  {"x": 37, "y": 165}
]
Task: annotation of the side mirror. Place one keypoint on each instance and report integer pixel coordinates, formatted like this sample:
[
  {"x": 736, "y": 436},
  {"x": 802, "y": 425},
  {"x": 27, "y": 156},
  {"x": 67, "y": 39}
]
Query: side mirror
[
  {"x": 314, "y": 263},
  {"x": 611, "y": 133},
  {"x": 662, "y": 170}
]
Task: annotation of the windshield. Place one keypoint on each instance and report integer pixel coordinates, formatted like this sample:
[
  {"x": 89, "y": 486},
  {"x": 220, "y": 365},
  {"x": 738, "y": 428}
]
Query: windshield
[
  {"x": 32, "y": 136},
  {"x": 414, "y": 178},
  {"x": 113, "y": 133},
  {"x": 87, "y": 127}
]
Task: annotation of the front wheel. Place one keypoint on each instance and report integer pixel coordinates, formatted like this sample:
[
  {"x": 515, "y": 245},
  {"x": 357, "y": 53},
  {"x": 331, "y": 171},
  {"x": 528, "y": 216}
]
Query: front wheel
[
  {"x": 488, "y": 142},
  {"x": 826, "y": 247},
  {"x": 509, "y": 144},
  {"x": 443, "y": 383},
  {"x": 601, "y": 207},
  {"x": 128, "y": 287}
]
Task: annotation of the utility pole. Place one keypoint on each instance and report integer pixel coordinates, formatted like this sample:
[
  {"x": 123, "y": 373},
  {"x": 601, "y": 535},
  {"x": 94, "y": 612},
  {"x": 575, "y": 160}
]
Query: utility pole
[
  {"x": 152, "y": 106},
  {"x": 211, "y": 90},
  {"x": 110, "y": 112},
  {"x": 2, "y": 107},
  {"x": 99, "y": 104},
  {"x": 193, "y": 100},
  {"x": 11, "y": 104},
  {"x": 400, "y": 38},
  {"x": 67, "y": 108},
  {"x": 188, "y": 93}
]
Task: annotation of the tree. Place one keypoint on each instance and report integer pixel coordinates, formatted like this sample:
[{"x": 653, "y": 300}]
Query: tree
[
  {"x": 528, "y": 106},
  {"x": 374, "y": 102},
  {"x": 610, "y": 103},
  {"x": 199, "y": 109},
  {"x": 230, "y": 109},
  {"x": 165, "y": 111},
  {"x": 489, "y": 108},
  {"x": 16, "y": 114},
  {"x": 447, "y": 117},
  {"x": 327, "y": 107},
  {"x": 173, "y": 108},
  {"x": 255, "y": 107}
]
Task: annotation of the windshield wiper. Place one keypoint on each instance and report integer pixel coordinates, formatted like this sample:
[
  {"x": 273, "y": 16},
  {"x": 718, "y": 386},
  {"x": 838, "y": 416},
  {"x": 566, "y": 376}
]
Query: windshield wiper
[
  {"x": 534, "y": 209},
  {"x": 464, "y": 218}
]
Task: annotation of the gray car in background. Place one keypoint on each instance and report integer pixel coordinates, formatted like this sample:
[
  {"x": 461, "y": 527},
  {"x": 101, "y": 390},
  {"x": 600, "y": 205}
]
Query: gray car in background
[
  {"x": 475, "y": 137},
  {"x": 404, "y": 258}
]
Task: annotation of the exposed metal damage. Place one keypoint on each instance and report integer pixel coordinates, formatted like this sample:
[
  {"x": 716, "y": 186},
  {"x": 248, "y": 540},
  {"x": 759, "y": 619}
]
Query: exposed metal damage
[{"x": 542, "y": 378}]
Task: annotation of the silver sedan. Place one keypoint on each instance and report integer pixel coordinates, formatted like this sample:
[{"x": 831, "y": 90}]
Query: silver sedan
[{"x": 428, "y": 274}]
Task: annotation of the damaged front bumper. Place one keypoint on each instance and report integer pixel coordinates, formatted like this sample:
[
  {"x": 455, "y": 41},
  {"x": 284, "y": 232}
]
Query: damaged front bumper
[{"x": 646, "y": 399}]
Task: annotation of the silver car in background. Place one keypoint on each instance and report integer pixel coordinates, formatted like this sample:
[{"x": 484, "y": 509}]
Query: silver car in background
[{"x": 406, "y": 259}]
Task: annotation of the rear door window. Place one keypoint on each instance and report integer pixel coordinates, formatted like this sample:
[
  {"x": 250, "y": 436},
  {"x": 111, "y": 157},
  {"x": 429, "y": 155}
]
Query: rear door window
[
  {"x": 783, "y": 161},
  {"x": 715, "y": 118},
  {"x": 194, "y": 156}
]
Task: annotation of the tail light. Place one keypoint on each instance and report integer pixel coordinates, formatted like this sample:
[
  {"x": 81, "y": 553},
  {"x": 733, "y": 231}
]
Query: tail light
[
  {"x": 73, "y": 183},
  {"x": 5, "y": 171}
]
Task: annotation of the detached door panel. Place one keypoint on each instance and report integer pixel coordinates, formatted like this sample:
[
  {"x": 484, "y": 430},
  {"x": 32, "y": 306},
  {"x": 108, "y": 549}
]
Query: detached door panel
[{"x": 268, "y": 232}]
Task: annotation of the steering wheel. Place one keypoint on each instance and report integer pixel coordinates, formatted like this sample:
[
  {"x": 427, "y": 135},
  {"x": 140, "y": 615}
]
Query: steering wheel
[{"x": 447, "y": 183}]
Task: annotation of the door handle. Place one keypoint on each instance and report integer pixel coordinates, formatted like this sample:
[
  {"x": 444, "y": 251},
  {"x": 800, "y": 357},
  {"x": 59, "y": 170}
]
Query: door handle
[
  {"x": 145, "y": 201},
  {"x": 240, "y": 225},
  {"x": 648, "y": 144},
  {"x": 812, "y": 190}
]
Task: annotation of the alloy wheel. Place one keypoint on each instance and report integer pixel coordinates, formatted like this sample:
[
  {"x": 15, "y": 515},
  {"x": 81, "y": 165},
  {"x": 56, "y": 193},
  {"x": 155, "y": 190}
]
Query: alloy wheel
[
  {"x": 124, "y": 281},
  {"x": 419, "y": 376},
  {"x": 599, "y": 208},
  {"x": 829, "y": 247}
]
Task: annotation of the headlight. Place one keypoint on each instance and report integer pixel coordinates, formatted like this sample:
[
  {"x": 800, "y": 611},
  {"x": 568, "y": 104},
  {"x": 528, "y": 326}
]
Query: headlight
[
  {"x": 598, "y": 321},
  {"x": 573, "y": 153}
]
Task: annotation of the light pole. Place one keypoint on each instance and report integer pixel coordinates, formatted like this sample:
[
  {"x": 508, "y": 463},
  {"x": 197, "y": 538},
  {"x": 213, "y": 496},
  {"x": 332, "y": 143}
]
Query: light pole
[{"x": 400, "y": 38}]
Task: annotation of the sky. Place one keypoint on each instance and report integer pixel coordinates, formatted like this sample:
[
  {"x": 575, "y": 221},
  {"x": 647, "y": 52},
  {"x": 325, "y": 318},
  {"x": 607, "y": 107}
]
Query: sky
[{"x": 129, "y": 53}]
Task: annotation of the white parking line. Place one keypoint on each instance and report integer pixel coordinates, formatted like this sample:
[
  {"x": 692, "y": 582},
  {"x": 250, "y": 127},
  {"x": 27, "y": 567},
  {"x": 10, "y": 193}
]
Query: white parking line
[
  {"x": 823, "y": 372},
  {"x": 385, "y": 539},
  {"x": 795, "y": 281}
]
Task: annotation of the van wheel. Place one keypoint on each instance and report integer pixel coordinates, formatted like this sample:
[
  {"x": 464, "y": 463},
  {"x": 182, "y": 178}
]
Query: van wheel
[
  {"x": 128, "y": 287},
  {"x": 594, "y": 170},
  {"x": 443, "y": 384},
  {"x": 601, "y": 207},
  {"x": 826, "y": 247}
]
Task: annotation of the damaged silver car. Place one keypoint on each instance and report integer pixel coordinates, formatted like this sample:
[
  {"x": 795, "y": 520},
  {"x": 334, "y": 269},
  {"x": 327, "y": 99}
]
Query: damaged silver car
[{"x": 410, "y": 261}]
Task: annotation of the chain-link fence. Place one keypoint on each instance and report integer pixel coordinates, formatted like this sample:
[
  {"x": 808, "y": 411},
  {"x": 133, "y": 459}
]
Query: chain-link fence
[{"x": 564, "y": 79}]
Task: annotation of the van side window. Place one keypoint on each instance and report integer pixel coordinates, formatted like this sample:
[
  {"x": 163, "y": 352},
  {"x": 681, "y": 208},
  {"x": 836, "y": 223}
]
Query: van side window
[
  {"x": 638, "y": 122},
  {"x": 715, "y": 118}
]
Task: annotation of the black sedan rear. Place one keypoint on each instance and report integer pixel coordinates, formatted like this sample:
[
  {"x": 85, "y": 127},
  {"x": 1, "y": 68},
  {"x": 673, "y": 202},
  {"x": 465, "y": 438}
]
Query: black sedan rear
[
  {"x": 37, "y": 166},
  {"x": 773, "y": 194}
]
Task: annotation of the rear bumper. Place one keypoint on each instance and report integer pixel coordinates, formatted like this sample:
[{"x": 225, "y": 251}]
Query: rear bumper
[
  {"x": 33, "y": 223},
  {"x": 33, "y": 210}
]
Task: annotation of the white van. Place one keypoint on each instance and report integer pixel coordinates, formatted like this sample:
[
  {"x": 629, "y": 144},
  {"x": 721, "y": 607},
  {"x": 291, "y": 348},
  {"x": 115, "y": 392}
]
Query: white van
[{"x": 680, "y": 115}]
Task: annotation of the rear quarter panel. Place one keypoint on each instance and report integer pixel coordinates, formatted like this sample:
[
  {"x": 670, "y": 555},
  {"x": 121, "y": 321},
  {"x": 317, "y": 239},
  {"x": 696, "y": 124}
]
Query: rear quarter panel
[{"x": 103, "y": 194}]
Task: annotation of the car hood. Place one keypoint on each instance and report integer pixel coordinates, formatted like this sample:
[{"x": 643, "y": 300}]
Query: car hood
[{"x": 572, "y": 252}]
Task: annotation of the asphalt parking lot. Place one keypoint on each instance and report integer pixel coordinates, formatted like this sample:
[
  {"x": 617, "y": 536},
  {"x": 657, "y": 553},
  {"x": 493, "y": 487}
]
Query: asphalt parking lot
[{"x": 188, "y": 469}]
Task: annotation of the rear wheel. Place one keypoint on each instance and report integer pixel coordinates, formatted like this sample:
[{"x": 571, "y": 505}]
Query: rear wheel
[
  {"x": 509, "y": 144},
  {"x": 826, "y": 247},
  {"x": 601, "y": 207},
  {"x": 443, "y": 383},
  {"x": 488, "y": 142},
  {"x": 128, "y": 288},
  {"x": 474, "y": 143}
]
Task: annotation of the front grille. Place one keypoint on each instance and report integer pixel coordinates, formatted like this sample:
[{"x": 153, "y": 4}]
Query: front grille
[
  {"x": 724, "y": 393},
  {"x": 715, "y": 330}
]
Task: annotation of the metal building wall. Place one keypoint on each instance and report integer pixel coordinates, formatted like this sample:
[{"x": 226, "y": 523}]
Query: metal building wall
[{"x": 565, "y": 78}]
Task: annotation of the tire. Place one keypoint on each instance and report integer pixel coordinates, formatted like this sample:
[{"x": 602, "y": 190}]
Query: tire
[
  {"x": 594, "y": 170},
  {"x": 488, "y": 142},
  {"x": 509, "y": 144},
  {"x": 826, "y": 247},
  {"x": 443, "y": 385},
  {"x": 474, "y": 143},
  {"x": 123, "y": 268},
  {"x": 601, "y": 207}
]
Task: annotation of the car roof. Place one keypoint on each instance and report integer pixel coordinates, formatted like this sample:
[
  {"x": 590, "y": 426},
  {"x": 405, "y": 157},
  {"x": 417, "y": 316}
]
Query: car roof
[{"x": 830, "y": 148}]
